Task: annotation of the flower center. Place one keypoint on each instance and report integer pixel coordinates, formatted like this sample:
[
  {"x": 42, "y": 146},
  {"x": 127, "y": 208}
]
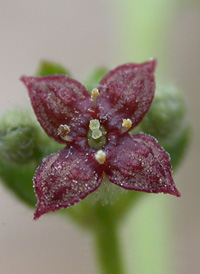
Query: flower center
[{"x": 96, "y": 134}]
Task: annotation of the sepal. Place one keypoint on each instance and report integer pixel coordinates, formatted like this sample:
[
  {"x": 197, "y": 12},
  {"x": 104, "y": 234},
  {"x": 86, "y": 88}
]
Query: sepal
[
  {"x": 51, "y": 68},
  {"x": 94, "y": 79}
]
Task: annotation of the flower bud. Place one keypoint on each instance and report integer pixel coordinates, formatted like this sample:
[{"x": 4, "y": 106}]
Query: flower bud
[
  {"x": 17, "y": 138},
  {"x": 17, "y": 144},
  {"x": 18, "y": 179},
  {"x": 23, "y": 144},
  {"x": 166, "y": 122},
  {"x": 166, "y": 113}
]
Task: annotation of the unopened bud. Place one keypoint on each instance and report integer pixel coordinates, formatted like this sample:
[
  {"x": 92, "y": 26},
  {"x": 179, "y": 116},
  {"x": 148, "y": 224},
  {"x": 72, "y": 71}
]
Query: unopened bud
[
  {"x": 166, "y": 122},
  {"x": 17, "y": 138},
  {"x": 166, "y": 113}
]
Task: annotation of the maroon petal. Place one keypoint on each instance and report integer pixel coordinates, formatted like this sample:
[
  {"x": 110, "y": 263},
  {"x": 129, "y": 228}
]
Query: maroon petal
[
  {"x": 139, "y": 163},
  {"x": 126, "y": 92},
  {"x": 65, "y": 178},
  {"x": 57, "y": 100}
]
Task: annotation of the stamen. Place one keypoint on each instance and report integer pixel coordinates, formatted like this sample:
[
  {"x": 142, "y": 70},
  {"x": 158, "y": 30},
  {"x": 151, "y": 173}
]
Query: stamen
[
  {"x": 126, "y": 124},
  {"x": 100, "y": 156},
  {"x": 63, "y": 131},
  {"x": 95, "y": 94},
  {"x": 96, "y": 133},
  {"x": 94, "y": 124}
]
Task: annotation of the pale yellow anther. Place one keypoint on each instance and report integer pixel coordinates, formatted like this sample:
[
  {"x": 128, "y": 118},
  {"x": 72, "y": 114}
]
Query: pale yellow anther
[
  {"x": 96, "y": 133},
  {"x": 95, "y": 94},
  {"x": 94, "y": 124},
  {"x": 100, "y": 156},
  {"x": 63, "y": 131},
  {"x": 126, "y": 124}
]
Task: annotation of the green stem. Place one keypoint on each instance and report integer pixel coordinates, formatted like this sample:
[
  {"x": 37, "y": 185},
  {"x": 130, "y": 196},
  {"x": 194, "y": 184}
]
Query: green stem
[
  {"x": 146, "y": 27},
  {"x": 107, "y": 243}
]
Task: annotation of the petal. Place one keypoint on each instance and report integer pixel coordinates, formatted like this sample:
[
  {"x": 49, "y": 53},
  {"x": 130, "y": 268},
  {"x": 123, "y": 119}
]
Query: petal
[
  {"x": 139, "y": 163},
  {"x": 57, "y": 100},
  {"x": 126, "y": 92},
  {"x": 65, "y": 178}
]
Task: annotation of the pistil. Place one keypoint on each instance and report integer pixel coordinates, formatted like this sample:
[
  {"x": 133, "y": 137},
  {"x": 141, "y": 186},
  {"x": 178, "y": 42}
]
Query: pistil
[
  {"x": 96, "y": 134},
  {"x": 94, "y": 95}
]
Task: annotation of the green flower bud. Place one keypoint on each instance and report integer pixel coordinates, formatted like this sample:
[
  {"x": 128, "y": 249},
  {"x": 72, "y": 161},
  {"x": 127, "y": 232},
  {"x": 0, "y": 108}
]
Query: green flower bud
[
  {"x": 23, "y": 144},
  {"x": 17, "y": 138},
  {"x": 47, "y": 68},
  {"x": 166, "y": 122},
  {"x": 178, "y": 145},
  {"x": 166, "y": 113},
  {"x": 17, "y": 151},
  {"x": 18, "y": 179}
]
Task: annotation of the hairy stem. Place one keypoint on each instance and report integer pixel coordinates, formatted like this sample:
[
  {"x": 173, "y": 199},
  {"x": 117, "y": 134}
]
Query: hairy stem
[{"x": 107, "y": 243}]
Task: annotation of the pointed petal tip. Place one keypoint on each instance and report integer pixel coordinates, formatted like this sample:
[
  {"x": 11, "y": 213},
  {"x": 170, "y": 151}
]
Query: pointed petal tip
[
  {"x": 35, "y": 218},
  {"x": 176, "y": 193},
  {"x": 23, "y": 78},
  {"x": 151, "y": 65},
  {"x": 38, "y": 213},
  {"x": 172, "y": 190},
  {"x": 26, "y": 80}
]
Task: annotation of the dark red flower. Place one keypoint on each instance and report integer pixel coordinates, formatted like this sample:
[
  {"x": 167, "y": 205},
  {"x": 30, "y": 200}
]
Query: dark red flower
[{"x": 95, "y": 129}]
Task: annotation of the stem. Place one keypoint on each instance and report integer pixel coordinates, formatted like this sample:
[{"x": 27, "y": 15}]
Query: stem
[
  {"x": 107, "y": 242},
  {"x": 146, "y": 28}
]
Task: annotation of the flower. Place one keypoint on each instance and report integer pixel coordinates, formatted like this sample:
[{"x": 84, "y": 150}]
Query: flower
[{"x": 95, "y": 128}]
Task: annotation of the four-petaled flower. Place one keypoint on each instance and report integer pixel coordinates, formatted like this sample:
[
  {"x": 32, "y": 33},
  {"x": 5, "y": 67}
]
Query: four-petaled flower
[{"x": 95, "y": 128}]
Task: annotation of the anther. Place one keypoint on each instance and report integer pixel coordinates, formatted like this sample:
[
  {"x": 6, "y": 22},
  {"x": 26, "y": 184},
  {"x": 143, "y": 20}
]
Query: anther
[
  {"x": 63, "y": 131},
  {"x": 100, "y": 156},
  {"x": 95, "y": 94},
  {"x": 126, "y": 124}
]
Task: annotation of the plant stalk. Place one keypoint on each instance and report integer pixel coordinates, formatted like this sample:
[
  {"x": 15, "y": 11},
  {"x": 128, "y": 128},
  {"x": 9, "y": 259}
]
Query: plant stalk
[{"x": 108, "y": 249}]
